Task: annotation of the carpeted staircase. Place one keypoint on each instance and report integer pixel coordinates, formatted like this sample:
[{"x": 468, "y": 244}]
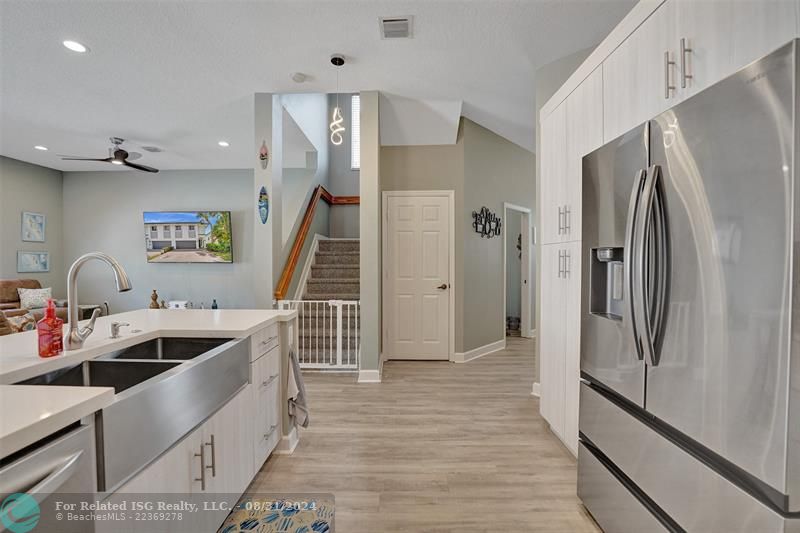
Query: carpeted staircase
[{"x": 334, "y": 276}]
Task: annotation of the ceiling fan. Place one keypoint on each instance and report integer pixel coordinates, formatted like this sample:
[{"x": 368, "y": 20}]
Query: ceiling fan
[{"x": 116, "y": 156}]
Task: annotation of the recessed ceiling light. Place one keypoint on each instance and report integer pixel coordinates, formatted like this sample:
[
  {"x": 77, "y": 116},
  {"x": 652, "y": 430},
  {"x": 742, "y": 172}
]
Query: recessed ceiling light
[
  {"x": 116, "y": 162},
  {"x": 40, "y": 147},
  {"x": 298, "y": 77},
  {"x": 224, "y": 144},
  {"x": 75, "y": 46}
]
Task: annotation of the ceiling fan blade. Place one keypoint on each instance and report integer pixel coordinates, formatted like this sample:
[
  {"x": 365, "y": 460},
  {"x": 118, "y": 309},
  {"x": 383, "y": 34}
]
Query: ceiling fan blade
[
  {"x": 105, "y": 159},
  {"x": 143, "y": 168}
]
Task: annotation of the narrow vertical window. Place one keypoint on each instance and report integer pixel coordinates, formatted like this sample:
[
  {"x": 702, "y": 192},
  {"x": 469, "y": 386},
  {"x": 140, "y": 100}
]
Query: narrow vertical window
[{"x": 355, "y": 132}]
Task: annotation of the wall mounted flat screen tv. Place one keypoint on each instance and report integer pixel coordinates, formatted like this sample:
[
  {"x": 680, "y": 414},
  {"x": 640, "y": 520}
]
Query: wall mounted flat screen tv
[{"x": 188, "y": 236}]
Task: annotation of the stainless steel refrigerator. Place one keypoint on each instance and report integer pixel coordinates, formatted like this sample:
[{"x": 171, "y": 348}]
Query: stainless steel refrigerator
[{"x": 690, "y": 328}]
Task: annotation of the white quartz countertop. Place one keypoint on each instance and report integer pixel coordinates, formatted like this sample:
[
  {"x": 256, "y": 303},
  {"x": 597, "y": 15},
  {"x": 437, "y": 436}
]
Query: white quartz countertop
[
  {"x": 30, "y": 412},
  {"x": 19, "y": 357}
]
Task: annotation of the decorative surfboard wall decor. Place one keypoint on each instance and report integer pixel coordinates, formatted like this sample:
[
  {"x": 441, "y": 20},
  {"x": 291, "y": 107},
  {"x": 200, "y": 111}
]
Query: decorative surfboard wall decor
[
  {"x": 485, "y": 223},
  {"x": 263, "y": 205},
  {"x": 263, "y": 155}
]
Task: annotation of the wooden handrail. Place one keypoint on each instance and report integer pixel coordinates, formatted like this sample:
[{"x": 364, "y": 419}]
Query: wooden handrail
[{"x": 320, "y": 193}]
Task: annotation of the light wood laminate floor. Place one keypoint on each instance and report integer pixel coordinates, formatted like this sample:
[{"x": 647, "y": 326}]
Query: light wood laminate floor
[{"x": 436, "y": 447}]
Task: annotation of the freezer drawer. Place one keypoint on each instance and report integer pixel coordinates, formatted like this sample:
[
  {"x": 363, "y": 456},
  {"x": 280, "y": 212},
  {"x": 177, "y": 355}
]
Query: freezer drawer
[
  {"x": 689, "y": 491},
  {"x": 611, "y": 504}
]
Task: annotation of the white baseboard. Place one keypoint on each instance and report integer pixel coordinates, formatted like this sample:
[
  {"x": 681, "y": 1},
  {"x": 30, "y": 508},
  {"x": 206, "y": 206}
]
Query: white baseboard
[
  {"x": 536, "y": 390},
  {"x": 480, "y": 351},
  {"x": 369, "y": 376},
  {"x": 288, "y": 443}
]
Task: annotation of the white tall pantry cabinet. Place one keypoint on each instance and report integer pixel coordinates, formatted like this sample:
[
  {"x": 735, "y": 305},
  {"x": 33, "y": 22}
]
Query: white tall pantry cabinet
[
  {"x": 661, "y": 54},
  {"x": 578, "y": 122}
]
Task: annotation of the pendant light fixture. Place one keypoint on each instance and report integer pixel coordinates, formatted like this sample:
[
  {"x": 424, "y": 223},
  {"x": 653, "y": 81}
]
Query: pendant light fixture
[{"x": 336, "y": 127}]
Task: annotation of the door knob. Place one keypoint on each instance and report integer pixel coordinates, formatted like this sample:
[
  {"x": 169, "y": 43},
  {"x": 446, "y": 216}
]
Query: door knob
[{"x": 443, "y": 286}]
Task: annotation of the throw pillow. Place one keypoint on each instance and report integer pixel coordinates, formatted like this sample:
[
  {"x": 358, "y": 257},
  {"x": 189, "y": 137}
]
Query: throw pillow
[
  {"x": 5, "y": 326},
  {"x": 24, "y": 322},
  {"x": 34, "y": 298}
]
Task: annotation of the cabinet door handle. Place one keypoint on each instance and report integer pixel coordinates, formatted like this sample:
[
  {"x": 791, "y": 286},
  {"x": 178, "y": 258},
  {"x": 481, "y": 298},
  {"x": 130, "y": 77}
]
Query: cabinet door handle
[
  {"x": 213, "y": 465},
  {"x": 667, "y": 86},
  {"x": 560, "y": 259},
  {"x": 684, "y": 71},
  {"x": 269, "y": 433},
  {"x": 567, "y": 220},
  {"x": 202, "y": 478},
  {"x": 567, "y": 264},
  {"x": 269, "y": 340},
  {"x": 560, "y": 213},
  {"x": 266, "y": 382}
]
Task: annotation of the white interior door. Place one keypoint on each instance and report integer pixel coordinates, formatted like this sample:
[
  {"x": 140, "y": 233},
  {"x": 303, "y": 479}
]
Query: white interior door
[{"x": 417, "y": 303}]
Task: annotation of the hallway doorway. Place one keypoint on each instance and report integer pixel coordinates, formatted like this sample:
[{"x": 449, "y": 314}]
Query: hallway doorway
[{"x": 518, "y": 272}]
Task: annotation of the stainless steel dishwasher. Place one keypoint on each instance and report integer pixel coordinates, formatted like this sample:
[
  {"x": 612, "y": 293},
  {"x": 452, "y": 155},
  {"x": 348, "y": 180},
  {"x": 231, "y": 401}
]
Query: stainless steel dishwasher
[{"x": 59, "y": 468}]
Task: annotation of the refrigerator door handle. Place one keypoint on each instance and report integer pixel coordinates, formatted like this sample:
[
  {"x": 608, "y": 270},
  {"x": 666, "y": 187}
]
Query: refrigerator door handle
[
  {"x": 652, "y": 264},
  {"x": 629, "y": 271}
]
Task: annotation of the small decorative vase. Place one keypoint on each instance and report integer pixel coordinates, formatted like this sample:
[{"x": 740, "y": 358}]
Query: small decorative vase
[{"x": 154, "y": 300}]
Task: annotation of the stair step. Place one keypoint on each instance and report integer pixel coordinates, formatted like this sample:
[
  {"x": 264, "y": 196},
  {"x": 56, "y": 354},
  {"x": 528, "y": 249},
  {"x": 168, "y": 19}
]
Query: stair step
[
  {"x": 339, "y": 245},
  {"x": 326, "y": 313},
  {"x": 344, "y": 258},
  {"x": 333, "y": 286},
  {"x": 329, "y": 296},
  {"x": 335, "y": 271}
]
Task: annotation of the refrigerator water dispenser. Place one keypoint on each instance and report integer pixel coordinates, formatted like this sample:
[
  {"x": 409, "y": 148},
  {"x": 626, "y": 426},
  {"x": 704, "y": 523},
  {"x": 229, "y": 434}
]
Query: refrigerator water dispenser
[{"x": 607, "y": 279}]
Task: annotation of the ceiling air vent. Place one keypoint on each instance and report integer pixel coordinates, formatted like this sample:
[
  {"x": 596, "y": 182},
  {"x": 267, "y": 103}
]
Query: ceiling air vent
[{"x": 396, "y": 27}]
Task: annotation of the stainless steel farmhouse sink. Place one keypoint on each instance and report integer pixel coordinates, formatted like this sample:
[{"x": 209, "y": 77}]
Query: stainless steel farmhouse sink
[
  {"x": 163, "y": 388},
  {"x": 176, "y": 348},
  {"x": 121, "y": 375}
]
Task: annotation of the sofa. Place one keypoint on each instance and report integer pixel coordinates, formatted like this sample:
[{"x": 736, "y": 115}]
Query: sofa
[{"x": 9, "y": 299}]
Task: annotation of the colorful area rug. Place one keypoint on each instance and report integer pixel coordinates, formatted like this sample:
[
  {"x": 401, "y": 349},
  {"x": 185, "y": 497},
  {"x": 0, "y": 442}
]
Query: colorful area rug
[{"x": 260, "y": 515}]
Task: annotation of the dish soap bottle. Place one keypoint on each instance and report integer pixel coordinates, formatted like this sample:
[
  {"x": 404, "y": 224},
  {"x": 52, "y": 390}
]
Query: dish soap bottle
[
  {"x": 214, "y": 304},
  {"x": 50, "y": 331}
]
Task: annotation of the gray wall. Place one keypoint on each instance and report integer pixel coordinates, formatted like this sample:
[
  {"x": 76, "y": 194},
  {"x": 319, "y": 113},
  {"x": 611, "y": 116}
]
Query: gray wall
[
  {"x": 483, "y": 169},
  {"x": 432, "y": 168},
  {"x": 513, "y": 225},
  {"x": 103, "y": 211},
  {"x": 27, "y": 187},
  {"x": 495, "y": 171},
  {"x": 370, "y": 222},
  {"x": 342, "y": 179}
]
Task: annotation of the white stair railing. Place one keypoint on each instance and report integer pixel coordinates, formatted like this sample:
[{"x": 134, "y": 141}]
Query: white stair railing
[{"x": 329, "y": 333}]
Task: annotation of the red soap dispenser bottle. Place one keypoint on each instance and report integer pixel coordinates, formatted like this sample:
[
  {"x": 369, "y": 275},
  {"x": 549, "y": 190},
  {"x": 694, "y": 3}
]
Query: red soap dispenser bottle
[{"x": 50, "y": 330}]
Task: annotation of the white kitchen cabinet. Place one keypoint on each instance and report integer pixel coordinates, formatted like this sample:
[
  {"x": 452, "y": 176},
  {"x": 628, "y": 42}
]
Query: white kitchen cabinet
[
  {"x": 178, "y": 471},
  {"x": 551, "y": 337},
  {"x": 552, "y": 187},
  {"x": 572, "y": 344},
  {"x": 227, "y": 439},
  {"x": 230, "y": 429},
  {"x": 637, "y": 76},
  {"x": 584, "y": 133},
  {"x": 560, "y": 339},
  {"x": 723, "y": 37},
  {"x": 267, "y": 407}
]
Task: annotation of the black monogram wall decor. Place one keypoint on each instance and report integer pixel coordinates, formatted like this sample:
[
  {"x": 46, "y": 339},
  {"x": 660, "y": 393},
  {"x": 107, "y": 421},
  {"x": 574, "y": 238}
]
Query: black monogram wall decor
[{"x": 486, "y": 223}]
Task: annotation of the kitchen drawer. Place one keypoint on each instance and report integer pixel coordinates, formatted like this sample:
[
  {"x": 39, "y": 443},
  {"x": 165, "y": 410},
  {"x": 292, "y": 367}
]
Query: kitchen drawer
[
  {"x": 694, "y": 495},
  {"x": 611, "y": 504},
  {"x": 267, "y": 426},
  {"x": 266, "y": 369},
  {"x": 263, "y": 341}
]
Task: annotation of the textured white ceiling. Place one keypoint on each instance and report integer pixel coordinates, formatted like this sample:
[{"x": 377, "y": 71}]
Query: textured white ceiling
[{"x": 181, "y": 74}]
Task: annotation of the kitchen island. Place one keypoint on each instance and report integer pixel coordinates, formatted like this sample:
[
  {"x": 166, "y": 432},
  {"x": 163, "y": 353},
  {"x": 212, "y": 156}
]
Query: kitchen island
[{"x": 189, "y": 401}]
